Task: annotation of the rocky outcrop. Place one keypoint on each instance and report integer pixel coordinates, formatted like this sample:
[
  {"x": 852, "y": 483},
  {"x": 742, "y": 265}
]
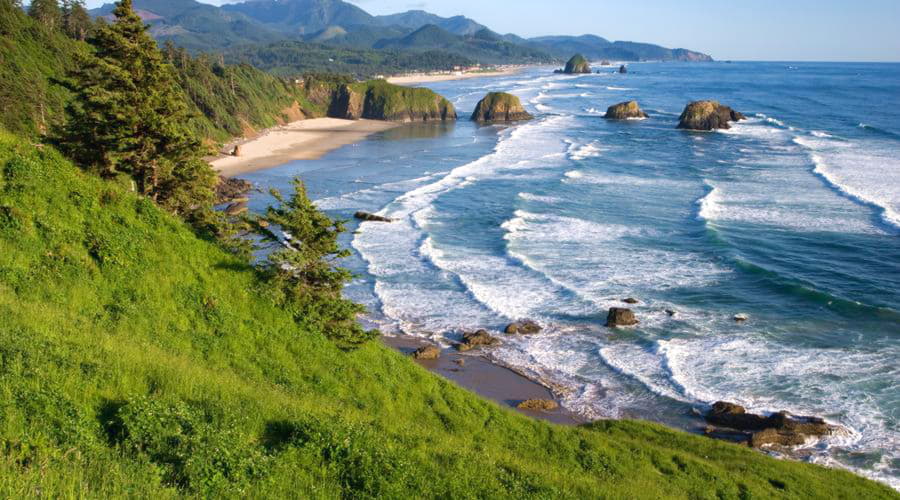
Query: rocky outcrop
[
  {"x": 500, "y": 107},
  {"x": 366, "y": 216},
  {"x": 625, "y": 111},
  {"x": 741, "y": 317},
  {"x": 623, "y": 69},
  {"x": 780, "y": 428},
  {"x": 577, "y": 65},
  {"x": 379, "y": 100},
  {"x": 523, "y": 327},
  {"x": 620, "y": 316},
  {"x": 538, "y": 405},
  {"x": 707, "y": 115},
  {"x": 236, "y": 151},
  {"x": 229, "y": 189},
  {"x": 428, "y": 352},
  {"x": 347, "y": 103},
  {"x": 472, "y": 340},
  {"x": 605, "y": 63},
  {"x": 236, "y": 208}
]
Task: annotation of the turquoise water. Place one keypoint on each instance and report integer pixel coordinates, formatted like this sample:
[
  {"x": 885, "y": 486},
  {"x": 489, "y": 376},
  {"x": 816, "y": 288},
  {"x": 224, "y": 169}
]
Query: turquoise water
[{"x": 791, "y": 217}]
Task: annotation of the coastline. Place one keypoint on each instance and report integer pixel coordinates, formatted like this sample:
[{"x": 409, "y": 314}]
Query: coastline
[
  {"x": 300, "y": 140},
  {"x": 417, "y": 79},
  {"x": 486, "y": 378}
]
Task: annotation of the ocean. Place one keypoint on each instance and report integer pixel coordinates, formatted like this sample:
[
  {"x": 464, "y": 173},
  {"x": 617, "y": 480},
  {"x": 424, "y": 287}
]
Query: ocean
[{"x": 791, "y": 217}]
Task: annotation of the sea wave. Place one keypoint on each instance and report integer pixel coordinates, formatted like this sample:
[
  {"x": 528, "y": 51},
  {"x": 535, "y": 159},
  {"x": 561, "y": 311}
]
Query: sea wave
[{"x": 710, "y": 204}]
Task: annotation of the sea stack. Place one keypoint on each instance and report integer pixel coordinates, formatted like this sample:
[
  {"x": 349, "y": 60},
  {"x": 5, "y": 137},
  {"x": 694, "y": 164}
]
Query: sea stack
[
  {"x": 623, "y": 69},
  {"x": 708, "y": 115},
  {"x": 577, "y": 65},
  {"x": 625, "y": 111},
  {"x": 500, "y": 107}
]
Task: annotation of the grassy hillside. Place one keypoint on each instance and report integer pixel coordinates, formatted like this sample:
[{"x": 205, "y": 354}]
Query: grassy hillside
[
  {"x": 137, "y": 359},
  {"x": 484, "y": 46}
]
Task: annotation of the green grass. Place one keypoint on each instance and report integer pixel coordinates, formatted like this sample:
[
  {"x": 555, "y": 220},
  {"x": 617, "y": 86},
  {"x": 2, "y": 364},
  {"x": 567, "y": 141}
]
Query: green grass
[
  {"x": 139, "y": 360},
  {"x": 386, "y": 101}
]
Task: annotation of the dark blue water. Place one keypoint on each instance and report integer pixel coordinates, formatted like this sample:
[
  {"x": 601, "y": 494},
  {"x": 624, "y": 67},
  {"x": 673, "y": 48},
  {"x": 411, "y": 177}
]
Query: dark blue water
[{"x": 792, "y": 217}]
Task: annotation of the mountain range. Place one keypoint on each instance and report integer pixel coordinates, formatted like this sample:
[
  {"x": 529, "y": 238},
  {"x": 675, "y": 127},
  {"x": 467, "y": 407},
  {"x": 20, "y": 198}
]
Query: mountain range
[{"x": 206, "y": 28}]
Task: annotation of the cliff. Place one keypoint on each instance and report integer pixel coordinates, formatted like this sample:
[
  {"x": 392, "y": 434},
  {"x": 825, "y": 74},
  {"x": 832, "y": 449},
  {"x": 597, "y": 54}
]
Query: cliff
[
  {"x": 379, "y": 100},
  {"x": 500, "y": 107}
]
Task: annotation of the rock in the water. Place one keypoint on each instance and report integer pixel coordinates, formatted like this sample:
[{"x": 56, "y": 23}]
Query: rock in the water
[
  {"x": 236, "y": 208},
  {"x": 630, "y": 300},
  {"x": 366, "y": 216},
  {"x": 523, "y": 327},
  {"x": 623, "y": 69},
  {"x": 472, "y": 340},
  {"x": 708, "y": 115},
  {"x": 620, "y": 316},
  {"x": 379, "y": 100},
  {"x": 605, "y": 63},
  {"x": 671, "y": 312},
  {"x": 625, "y": 111},
  {"x": 577, "y": 65},
  {"x": 460, "y": 361},
  {"x": 230, "y": 189},
  {"x": 427, "y": 352},
  {"x": 741, "y": 317},
  {"x": 538, "y": 405},
  {"x": 779, "y": 428},
  {"x": 500, "y": 107}
]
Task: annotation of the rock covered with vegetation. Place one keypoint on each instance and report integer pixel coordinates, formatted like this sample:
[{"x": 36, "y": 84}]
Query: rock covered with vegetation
[
  {"x": 380, "y": 100},
  {"x": 500, "y": 107},
  {"x": 577, "y": 65},
  {"x": 625, "y": 111},
  {"x": 708, "y": 115}
]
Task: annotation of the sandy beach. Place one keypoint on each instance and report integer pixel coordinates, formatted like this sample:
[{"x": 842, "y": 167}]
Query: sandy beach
[
  {"x": 424, "y": 78},
  {"x": 300, "y": 140}
]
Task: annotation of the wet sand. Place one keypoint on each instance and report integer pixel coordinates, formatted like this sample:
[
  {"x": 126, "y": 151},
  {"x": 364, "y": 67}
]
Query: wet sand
[{"x": 487, "y": 379}]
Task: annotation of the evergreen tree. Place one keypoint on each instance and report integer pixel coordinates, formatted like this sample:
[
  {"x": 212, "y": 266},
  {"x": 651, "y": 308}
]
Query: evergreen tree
[
  {"x": 46, "y": 12},
  {"x": 302, "y": 265},
  {"x": 128, "y": 116},
  {"x": 76, "y": 20}
]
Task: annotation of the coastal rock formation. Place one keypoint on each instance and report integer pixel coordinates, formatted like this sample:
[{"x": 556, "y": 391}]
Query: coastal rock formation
[
  {"x": 523, "y": 327},
  {"x": 623, "y": 69},
  {"x": 577, "y": 65},
  {"x": 630, "y": 300},
  {"x": 236, "y": 151},
  {"x": 777, "y": 429},
  {"x": 741, "y": 317},
  {"x": 428, "y": 352},
  {"x": 605, "y": 63},
  {"x": 707, "y": 115},
  {"x": 620, "y": 316},
  {"x": 472, "y": 340},
  {"x": 538, "y": 405},
  {"x": 366, "y": 216},
  {"x": 625, "y": 111},
  {"x": 500, "y": 107},
  {"x": 347, "y": 103},
  {"x": 228, "y": 189},
  {"x": 236, "y": 208},
  {"x": 379, "y": 100}
]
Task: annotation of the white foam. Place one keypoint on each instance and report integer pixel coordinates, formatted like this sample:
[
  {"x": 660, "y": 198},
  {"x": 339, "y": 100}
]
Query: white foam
[
  {"x": 618, "y": 88},
  {"x": 542, "y": 199},
  {"x": 867, "y": 172},
  {"x": 821, "y": 134},
  {"x": 574, "y": 174},
  {"x": 595, "y": 111},
  {"x": 709, "y": 203},
  {"x": 580, "y": 152}
]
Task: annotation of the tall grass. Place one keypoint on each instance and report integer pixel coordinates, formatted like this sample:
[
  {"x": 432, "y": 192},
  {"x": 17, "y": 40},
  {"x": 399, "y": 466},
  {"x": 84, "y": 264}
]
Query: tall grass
[{"x": 139, "y": 360}]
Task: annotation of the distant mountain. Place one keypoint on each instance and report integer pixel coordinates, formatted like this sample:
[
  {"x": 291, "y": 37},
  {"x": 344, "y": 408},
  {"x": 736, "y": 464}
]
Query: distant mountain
[
  {"x": 484, "y": 46},
  {"x": 302, "y": 17},
  {"x": 597, "y": 48},
  {"x": 197, "y": 26},
  {"x": 202, "y": 27},
  {"x": 415, "y": 19}
]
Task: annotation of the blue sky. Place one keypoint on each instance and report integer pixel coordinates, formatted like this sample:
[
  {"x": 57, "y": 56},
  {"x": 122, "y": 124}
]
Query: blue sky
[{"x": 809, "y": 30}]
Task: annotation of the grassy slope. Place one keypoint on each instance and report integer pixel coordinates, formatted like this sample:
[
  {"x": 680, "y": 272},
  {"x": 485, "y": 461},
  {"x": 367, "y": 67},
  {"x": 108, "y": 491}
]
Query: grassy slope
[
  {"x": 138, "y": 359},
  {"x": 388, "y": 101}
]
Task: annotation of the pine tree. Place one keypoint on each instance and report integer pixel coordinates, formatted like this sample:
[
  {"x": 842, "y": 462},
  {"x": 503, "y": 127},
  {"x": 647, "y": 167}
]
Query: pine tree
[
  {"x": 46, "y": 12},
  {"x": 128, "y": 116},
  {"x": 302, "y": 264},
  {"x": 76, "y": 20}
]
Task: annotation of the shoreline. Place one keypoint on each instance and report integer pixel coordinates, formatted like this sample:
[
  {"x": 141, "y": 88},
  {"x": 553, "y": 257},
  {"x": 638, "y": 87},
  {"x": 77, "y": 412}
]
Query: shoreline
[
  {"x": 308, "y": 139},
  {"x": 486, "y": 378},
  {"x": 417, "y": 79}
]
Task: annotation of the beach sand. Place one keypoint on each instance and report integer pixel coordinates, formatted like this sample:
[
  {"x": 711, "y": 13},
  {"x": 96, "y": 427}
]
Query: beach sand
[
  {"x": 419, "y": 79},
  {"x": 300, "y": 140},
  {"x": 487, "y": 379}
]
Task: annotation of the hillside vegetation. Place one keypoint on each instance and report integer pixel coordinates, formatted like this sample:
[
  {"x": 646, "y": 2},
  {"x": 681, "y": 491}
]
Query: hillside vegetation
[{"x": 138, "y": 359}]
